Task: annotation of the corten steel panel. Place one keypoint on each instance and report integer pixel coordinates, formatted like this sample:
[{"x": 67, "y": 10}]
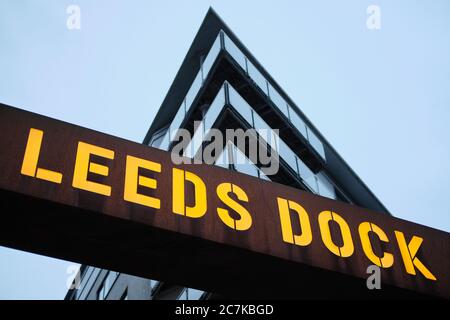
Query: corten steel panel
[{"x": 61, "y": 221}]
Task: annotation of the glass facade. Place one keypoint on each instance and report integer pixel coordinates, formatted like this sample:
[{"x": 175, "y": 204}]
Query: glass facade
[
  {"x": 216, "y": 108},
  {"x": 261, "y": 82},
  {"x": 235, "y": 52},
  {"x": 223, "y": 159},
  {"x": 257, "y": 77},
  {"x": 176, "y": 122},
  {"x": 242, "y": 164},
  {"x": 255, "y": 121},
  {"x": 165, "y": 142},
  {"x": 307, "y": 176},
  {"x": 107, "y": 284},
  {"x": 193, "y": 91},
  {"x": 88, "y": 277},
  {"x": 210, "y": 58},
  {"x": 157, "y": 138},
  {"x": 190, "y": 294},
  {"x": 231, "y": 156},
  {"x": 297, "y": 122},
  {"x": 316, "y": 143},
  {"x": 277, "y": 100},
  {"x": 326, "y": 188},
  {"x": 196, "y": 141}
]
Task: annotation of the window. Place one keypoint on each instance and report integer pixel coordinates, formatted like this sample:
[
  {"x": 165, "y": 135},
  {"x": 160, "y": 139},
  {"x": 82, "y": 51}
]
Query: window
[
  {"x": 190, "y": 294},
  {"x": 316, "y": 143},
  {"x": 298, "y": 122},
  {"x": 257, "y": 77},
  {"x": 211, "y": 57},
  {"x": 222, "y": 159},
  {"x": 183, "y": 295},
  {"x": 153, "y": 284},
  {"x": 242, "y": 164},
  {"x": 157, "y": 138},
  {"x": 235, "y": 52},
  {"x": 278, "y": 100},
  {"x": 194, "y": 294},
  {"x": 101, "y": 293},
  {"x": 193, "y": 91},
  {"x": 124, "y": 295},
  {"x": 326, "y": 188},
  {"x": 107, "y": 284}
]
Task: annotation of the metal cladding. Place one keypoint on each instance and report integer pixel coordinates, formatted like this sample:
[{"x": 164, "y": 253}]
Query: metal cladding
[{"x": 81, "y": 195}]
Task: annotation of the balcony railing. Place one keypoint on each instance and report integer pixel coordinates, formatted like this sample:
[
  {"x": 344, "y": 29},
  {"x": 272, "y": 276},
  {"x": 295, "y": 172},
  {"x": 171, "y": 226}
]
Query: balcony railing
[
  {"x": 233, "y": 155},
  {"x": 317, "y": 183},
  {"x": 223, "y": 42}
]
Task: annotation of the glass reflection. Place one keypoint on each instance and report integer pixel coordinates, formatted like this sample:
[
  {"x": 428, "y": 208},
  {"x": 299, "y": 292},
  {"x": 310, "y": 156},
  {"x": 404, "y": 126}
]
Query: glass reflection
[
  {"x": 298, "y": 122},
  {"x": 193, "y": 91},
  {"x": 235, "y": 52},
  {"x": 278, "y": 100},
  {"x": 257, "y": 77},
  {"x": 316, "y": 143},
  {"x": 208, "y": 62},
  {"x": 240, "y": 104},
  {"x": 325, "y": 187}
]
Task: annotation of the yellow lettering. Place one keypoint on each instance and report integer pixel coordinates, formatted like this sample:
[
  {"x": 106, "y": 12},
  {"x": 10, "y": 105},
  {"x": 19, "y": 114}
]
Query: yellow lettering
[
  {"x": 364, "y": 228},
  {"x": 347, "y": 248},
  {"x": 31, "y": 159},
  {"x": 409, "y": 251},
  {"x": 133, "y": 180},
  {"x": 284, "y": 207},
  {"x": 245, "y": 220},
  {"x": 178, "y": 195},
  {"x": 83, "y": 166}
]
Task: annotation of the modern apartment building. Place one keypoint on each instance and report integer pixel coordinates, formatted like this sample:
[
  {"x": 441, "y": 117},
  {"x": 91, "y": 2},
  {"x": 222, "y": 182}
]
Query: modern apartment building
[{"x": 221, "y": 85}]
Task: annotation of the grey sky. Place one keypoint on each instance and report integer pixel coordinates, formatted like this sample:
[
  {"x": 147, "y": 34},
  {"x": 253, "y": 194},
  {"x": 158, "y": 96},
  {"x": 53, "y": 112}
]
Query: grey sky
[{"x": 381, "y": 98}]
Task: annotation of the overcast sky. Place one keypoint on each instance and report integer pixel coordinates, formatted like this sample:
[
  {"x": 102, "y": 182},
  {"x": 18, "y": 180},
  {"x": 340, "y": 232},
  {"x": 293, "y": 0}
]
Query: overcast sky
[{"x": 380, "y": 97}]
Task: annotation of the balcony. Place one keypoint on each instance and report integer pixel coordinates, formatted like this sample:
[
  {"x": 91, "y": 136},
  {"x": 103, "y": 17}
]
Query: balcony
[
  {"x": 228, "y": 100},
  {"x": 271, "y": 105}
]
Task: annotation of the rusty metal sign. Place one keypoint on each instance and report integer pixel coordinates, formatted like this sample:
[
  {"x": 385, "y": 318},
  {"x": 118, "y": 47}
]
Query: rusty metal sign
[{"x": 77, "y": 194}]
